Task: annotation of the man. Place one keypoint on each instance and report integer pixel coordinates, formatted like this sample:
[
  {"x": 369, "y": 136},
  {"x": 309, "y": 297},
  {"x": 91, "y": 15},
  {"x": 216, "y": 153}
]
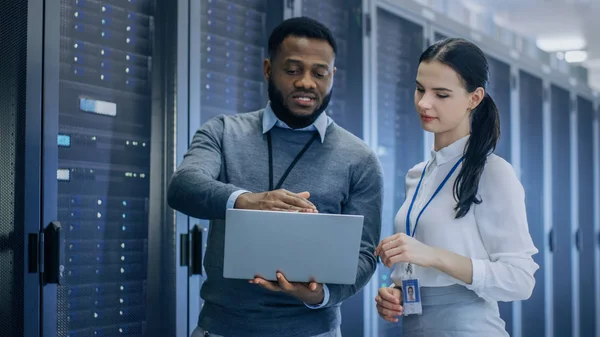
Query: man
[{"x": 227, "y": 165}]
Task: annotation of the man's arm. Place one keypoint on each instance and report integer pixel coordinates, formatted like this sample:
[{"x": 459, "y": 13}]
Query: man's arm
[
  {"x": 194, "y": 188},
  {"x": 366, "y": 198}
]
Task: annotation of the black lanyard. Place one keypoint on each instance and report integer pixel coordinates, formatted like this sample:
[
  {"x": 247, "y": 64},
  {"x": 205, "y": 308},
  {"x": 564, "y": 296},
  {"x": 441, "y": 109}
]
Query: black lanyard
[{"x": 289, "y": 169}]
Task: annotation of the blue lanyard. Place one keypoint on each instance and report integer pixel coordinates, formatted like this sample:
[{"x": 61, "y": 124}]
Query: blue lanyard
[{"x": 433, "y": 196}]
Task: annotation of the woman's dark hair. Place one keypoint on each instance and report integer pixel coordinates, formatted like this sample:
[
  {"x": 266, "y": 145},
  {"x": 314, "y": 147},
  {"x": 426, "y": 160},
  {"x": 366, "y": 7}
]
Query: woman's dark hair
[{"x": 469, "y": 62}]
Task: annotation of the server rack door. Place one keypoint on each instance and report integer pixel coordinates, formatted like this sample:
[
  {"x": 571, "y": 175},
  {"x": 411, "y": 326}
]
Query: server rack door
[
  {"x": 103, "y": 150},
  {"x": 400, "y": 135},
  {"x": 560, "y": 239},
  {"x": 344, "y": 19},
  {"x": 499, "y": 88},
  {"x": 586, "y": 238},
  {"x": 233, "y": 37},
  {"x": 228, "y": 44},
  {"x": 20, "y": 141},
  {"x": 532, "y": 168}
]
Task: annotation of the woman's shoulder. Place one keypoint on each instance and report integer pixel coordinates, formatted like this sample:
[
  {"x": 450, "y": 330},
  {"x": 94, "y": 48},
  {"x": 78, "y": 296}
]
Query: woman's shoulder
[
  {"x": 416, "y": 171},
  {"x": 497, "y": 165},
  {"x": 414, "y": 174},
  {"x": 498, "y": 172}
]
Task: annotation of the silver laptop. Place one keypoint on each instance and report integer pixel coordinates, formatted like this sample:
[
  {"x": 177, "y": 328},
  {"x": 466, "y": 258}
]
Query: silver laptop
[{"x": 304, "y": 246}]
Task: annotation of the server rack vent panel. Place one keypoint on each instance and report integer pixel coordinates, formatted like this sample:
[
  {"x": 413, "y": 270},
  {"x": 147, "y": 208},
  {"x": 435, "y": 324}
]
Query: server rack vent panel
[
  {"x": 532, "y": 178},
  {"x": 499, "y": 89},
  {"x": 561, "y": 210},
  {"x": 104, "y": 164},
  {"x": 586, "y": 236},
  {"x": 233, "y": 39},
  {"x": 13, "y": 100},
  {"x": 335, "y": 16}
]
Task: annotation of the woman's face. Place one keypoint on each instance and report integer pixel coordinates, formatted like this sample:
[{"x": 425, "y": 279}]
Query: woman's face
[
  {"x": 411, "y": 291},
  {"x": 441, "y": 99}
]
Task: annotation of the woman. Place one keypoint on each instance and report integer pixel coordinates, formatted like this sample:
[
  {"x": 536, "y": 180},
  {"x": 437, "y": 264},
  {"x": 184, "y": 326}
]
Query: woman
[
  {"x": 410, "y": 291},
  {"x": 462, "y": 233}
]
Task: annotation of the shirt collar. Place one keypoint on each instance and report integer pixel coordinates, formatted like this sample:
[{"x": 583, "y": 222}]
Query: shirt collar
[
  {"x": 270, "y": 120},
  {"x": 450, "y": 152}
]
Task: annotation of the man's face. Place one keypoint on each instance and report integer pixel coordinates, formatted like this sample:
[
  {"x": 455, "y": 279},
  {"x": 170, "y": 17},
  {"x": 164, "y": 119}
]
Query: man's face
[{"x": 300, "y": 79}]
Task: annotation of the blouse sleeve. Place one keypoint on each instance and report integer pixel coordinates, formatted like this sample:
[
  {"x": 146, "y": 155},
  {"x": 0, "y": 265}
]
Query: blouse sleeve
[{"x": 508, "y": 272}]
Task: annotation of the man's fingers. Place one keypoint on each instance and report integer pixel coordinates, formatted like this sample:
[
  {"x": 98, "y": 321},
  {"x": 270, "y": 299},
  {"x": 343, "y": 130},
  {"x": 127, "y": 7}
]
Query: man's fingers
[
  {"x": 286, "y": 207},
  {"x": 304, "y": 195},
  {"x": 313, "y": 286},
  {"x": 272, "y": 286},
  {"x": 277, "y": 209},
  {"x": 297, "y": 201},
  {"x": 284, "y": 284},
  {"x": 301, "y": 197}
]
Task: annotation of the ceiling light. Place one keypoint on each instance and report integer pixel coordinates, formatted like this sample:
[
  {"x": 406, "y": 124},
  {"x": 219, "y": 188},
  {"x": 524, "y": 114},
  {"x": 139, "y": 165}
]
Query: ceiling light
[
  {"x": 576, "y": 56},
  {"x": 561, "y": 44}
]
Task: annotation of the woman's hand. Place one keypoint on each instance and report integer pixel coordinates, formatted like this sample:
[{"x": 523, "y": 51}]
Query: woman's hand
[
  {"x": 389, "y": 304},
  {"x": 403, "y": 248}
]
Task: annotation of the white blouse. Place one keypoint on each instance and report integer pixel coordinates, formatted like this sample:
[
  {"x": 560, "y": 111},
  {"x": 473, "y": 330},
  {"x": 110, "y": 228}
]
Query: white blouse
[{"x": 493, "y": 234}]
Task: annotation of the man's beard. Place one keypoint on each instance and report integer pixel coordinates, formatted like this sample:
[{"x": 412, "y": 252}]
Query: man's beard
[{"x": 288, "y": 117}]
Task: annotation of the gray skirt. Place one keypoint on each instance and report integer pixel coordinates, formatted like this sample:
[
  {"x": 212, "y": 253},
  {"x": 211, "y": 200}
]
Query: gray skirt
[{"x": 454, "y": 311}]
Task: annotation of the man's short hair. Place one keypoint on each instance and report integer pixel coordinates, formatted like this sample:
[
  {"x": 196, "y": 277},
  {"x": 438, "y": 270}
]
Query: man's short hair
[{"x": 299, "y": 27}]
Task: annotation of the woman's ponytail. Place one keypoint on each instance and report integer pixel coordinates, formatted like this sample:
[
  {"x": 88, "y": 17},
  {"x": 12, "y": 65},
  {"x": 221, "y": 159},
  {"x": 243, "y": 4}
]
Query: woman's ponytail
[{"x": 485, "y": 132}]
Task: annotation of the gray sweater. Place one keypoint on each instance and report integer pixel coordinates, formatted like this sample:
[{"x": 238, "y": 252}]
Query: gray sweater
[{"x": 229, "y": 153}]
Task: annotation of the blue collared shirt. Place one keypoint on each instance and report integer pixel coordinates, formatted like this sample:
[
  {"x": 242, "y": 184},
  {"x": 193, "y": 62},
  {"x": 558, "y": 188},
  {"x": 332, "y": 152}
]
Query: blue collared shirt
[{"x": 269, "y": 121}]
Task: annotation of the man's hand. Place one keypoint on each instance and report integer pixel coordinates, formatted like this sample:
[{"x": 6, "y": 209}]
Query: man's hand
[
  {"x": 310, "y": 293},
  {"x": 278, "y": 200},
  {"x": 389, "y": 304}
]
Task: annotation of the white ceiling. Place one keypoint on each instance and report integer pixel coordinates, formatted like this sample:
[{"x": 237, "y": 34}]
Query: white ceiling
[{"x": 553, "y": 21}]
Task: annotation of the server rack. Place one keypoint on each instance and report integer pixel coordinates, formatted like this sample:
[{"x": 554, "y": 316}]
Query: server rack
[
  {"x": 585, "y": 237},
  {"x": 499, "y": 88},
  {"x": 560, "y": 239},
  {"x": 21, "y": 28},
  {"x": 106, "y": 104},
  {"x": 531, "y": 96}
]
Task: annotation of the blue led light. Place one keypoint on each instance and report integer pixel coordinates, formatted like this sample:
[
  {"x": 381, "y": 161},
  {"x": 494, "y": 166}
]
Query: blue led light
[
  {"x": 64, "y": 140},
  {"x": 98, "y": 107},
  {"x": 63, "y": 175}
]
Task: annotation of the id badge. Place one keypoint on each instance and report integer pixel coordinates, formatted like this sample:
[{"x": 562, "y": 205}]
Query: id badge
[{"x": 411, "y": 294}]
